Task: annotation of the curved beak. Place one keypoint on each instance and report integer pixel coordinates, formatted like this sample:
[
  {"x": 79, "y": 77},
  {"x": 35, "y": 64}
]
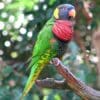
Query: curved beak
[{"x": 72, "y": 13}]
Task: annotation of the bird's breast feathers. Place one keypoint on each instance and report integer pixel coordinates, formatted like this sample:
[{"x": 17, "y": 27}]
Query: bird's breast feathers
[{"x": 63, "y": 30}]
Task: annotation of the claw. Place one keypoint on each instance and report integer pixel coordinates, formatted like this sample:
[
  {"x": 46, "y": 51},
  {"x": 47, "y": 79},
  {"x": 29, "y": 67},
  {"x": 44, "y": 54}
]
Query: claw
[{"x": 56, "y": 61}]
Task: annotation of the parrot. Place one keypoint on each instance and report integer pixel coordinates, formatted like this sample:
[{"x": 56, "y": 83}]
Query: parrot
[{"x": 51, "y": 42}]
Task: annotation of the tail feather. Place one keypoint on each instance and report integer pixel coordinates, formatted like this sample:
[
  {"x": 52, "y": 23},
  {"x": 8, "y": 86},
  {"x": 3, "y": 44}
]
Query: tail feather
[
  {"x": 35, "y": 71},
  {"x": 36, "y": 65}
]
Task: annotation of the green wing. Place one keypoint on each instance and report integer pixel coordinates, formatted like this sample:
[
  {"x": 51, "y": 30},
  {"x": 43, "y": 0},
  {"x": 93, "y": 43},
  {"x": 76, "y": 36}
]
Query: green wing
[
  {"x": 43, "y": 42},
  {"x": 43, "y": 52}
]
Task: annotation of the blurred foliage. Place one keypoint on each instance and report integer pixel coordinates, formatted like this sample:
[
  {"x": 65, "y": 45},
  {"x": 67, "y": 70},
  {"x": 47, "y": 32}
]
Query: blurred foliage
[{"x": 20, "y": 22}]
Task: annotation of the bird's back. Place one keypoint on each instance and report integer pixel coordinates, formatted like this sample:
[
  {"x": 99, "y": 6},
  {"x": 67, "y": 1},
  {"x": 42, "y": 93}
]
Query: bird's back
[{"x": 44, "y": 43}]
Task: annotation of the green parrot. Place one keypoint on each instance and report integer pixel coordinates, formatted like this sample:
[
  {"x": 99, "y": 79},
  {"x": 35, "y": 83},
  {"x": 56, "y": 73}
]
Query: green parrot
[{"x": 51, "y": 42}]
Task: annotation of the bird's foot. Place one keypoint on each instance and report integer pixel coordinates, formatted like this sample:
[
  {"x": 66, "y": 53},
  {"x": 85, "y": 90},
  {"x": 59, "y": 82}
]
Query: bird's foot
[{"x": 56, "y": 61}]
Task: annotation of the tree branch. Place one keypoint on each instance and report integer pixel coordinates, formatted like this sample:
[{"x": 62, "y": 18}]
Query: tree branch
[
  {"x": 52, "y": 83},
  {"x": 80, "y": 88}
]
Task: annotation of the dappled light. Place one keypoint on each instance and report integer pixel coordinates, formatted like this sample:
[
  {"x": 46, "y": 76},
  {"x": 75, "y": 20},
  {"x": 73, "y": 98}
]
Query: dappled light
[{"x": 20, "y": 23}]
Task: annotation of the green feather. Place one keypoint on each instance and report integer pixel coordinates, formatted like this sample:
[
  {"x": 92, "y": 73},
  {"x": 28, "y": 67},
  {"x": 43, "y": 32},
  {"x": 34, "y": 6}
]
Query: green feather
[{"x": 43, "y": 52}]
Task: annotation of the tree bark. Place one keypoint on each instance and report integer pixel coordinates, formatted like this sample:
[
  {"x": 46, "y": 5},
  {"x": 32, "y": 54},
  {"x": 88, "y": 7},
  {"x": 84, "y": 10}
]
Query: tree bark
[{"x": 70, "y": 82}]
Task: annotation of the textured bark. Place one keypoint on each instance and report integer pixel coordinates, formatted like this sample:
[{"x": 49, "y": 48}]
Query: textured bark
[
  {"x": 70, "y": 82},
  {"x": 52, "y": 83}
]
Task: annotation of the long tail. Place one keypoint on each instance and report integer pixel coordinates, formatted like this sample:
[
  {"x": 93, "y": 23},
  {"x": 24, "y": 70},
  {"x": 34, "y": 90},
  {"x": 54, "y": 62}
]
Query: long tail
[{"x": 35, "y": 71}]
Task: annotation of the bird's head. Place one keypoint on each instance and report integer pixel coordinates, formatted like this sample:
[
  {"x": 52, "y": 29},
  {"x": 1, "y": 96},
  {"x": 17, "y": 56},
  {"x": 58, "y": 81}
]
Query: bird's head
[
  {"x": 63, "y": 26},
  {"x": 64, "y": 12}
]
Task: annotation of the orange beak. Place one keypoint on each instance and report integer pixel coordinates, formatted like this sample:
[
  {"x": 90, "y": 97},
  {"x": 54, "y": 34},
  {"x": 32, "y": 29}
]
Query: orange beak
[{"x": 72, "y": 13}]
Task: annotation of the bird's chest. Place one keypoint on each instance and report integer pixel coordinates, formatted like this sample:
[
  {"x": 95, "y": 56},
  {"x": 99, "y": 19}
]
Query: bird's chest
[
  {"x": 62, "y": 48},
  {"x": 58, "y": 46}
]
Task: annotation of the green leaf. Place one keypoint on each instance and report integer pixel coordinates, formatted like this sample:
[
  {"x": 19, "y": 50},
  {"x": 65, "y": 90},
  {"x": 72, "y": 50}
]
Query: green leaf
[
  {"x": 51, "y": 2},
  {"x": 5, "y": 94},
  {"x": 27, "y": 4},
  {"x": 57, "y": 97},
  {"x": 36, "y": 97},
  {"x": 6, "y": 71}
]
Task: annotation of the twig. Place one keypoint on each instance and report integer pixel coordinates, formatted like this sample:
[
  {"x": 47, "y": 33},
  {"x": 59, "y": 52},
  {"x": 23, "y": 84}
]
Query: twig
[
  {"x": 52, "y": 83},
  {"x": 80, "y": 88}
]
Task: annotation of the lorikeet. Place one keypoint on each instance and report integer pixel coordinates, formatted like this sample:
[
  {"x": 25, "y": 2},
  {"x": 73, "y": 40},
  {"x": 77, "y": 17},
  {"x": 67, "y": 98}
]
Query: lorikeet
[{"x": 51, "y": 41}]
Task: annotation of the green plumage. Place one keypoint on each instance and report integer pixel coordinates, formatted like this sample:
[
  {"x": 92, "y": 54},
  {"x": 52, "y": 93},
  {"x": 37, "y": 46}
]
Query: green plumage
[
  {"x": 50, "y": 44},
  {"x": 44, "y": 50}
]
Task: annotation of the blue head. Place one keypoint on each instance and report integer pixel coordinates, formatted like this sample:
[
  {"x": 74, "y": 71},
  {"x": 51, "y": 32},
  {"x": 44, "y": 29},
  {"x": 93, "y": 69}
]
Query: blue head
[{"x": 64, "y": 12}]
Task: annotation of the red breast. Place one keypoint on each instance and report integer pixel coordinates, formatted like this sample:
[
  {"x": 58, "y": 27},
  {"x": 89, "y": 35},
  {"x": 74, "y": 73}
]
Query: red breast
[{"x": 63, "y": 30}]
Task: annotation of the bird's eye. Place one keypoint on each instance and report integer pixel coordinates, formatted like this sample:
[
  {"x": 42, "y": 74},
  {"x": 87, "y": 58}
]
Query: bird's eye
[{"x": 70, "y": 18}]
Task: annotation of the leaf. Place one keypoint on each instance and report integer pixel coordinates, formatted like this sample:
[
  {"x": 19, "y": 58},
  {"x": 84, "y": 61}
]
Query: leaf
[
  {"x": 16, "y": 92},
  {"x": 5, "y": 94},
  {"x": 81, "y": 75},
  {"x": 57, "y": 97},
  {"x": 51, "y": 2},
  {"x": 27, "y": 4},
  {"x": 36, "y": 97},
  {"x": 6, "y": 71}
]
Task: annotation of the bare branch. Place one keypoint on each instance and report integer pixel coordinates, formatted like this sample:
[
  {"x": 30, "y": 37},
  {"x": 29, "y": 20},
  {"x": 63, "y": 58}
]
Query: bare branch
[
  {"x": 80, "y": 88},
  {"x": 51, "y": 83}
]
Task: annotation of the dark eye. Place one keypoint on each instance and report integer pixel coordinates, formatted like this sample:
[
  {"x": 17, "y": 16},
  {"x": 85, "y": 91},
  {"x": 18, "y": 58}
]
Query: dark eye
[{"x": 70, "y": 18}]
